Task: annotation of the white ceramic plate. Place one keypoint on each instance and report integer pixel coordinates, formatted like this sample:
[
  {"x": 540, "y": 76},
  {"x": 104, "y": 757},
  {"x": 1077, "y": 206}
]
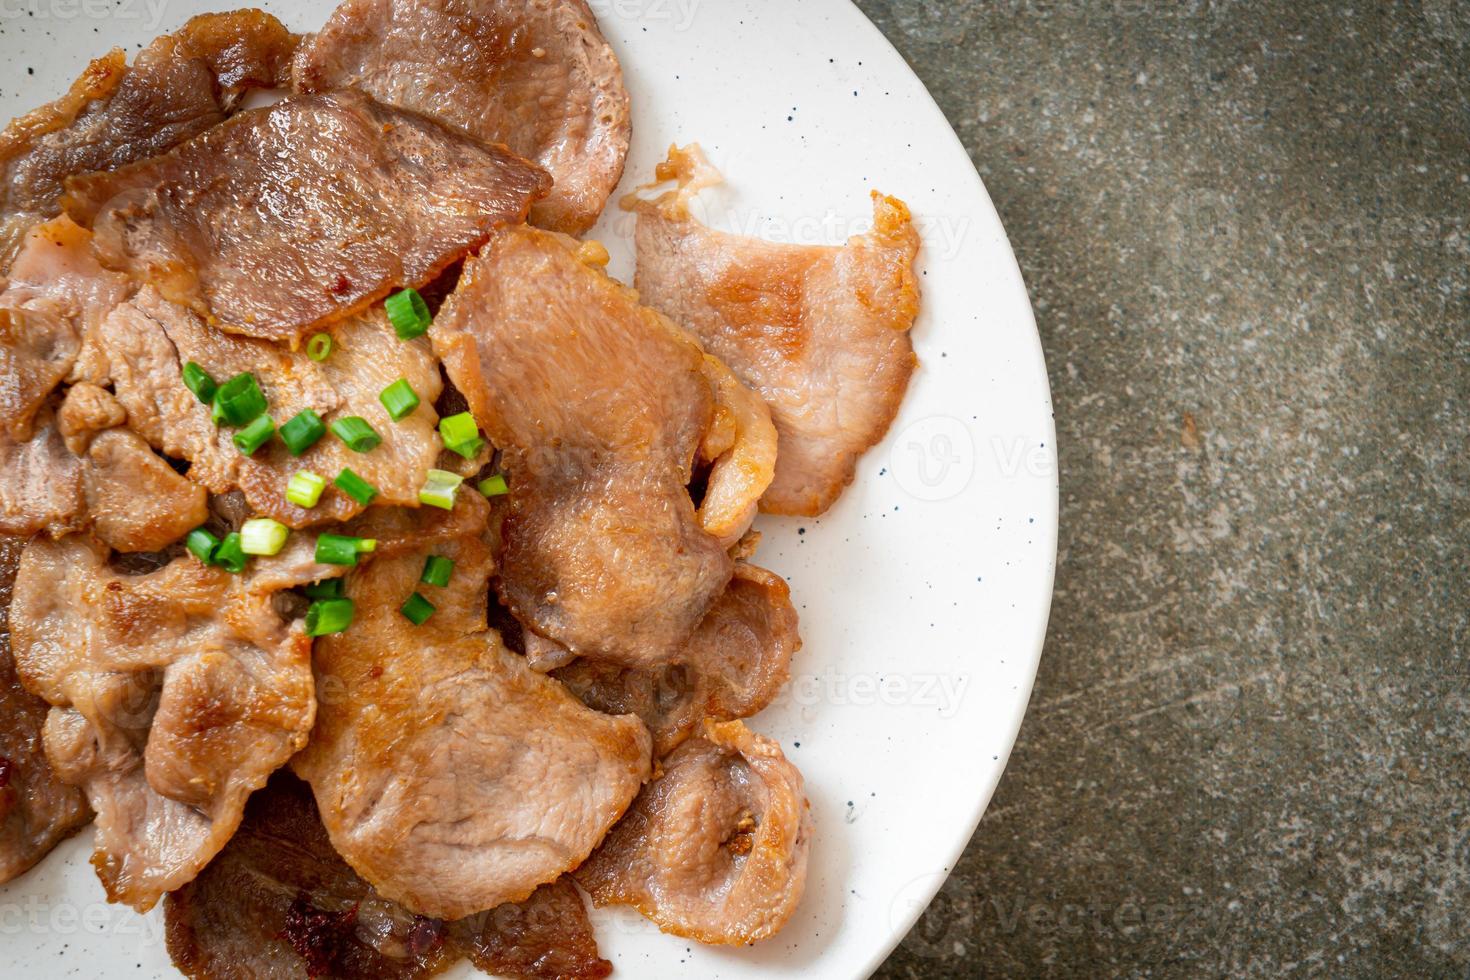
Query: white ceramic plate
[{"x": 923, "y": 594}]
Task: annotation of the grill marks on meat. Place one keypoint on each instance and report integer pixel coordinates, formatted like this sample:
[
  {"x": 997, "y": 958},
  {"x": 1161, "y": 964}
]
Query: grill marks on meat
[
  {"x": 279, "y": 902},
  {"x": 150, "y": 339},
  {"x": 286, "y": 219},
  {"x": 450, "y": 775},
  {"x": 715, "y": 849},
  {"x": 174, "y": 695},
  {"x": 37, "y": 810},
  {"x": 177, "y": 87},
  {"x": 601, "y": 408},
  {"x": 821, "y": 333},
  {"x": 536, "y": 75},
  {"x": 734, "y": 666}
]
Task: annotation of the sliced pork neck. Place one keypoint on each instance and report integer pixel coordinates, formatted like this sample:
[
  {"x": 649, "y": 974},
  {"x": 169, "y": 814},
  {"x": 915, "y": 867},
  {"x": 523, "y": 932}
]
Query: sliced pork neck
[
  {"x": 279, "y": 903},
  {"x": 822, "y": 333},
  {"x": 37, "y": 810},
  {"x": 179, "y": 86},
  {"x": 149, "y": 340},
  {"x": 733, "y": 667},
  {"x": 174, "y": 695},
  {"x": 287, "y": 219},
  {"x": 536, "y": 75},
  {"x": 602, "y": 410},
  {"x": 449, "y": 775},
  {"x": 715, "y": 849}
]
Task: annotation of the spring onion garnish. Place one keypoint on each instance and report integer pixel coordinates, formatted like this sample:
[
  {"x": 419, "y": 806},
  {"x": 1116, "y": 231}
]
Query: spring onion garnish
[
  {"x": 359, "y": 436},
  {"x": 303, "y": 431},
  {"x": 408, "y": 313},
  {"x": 461, "y": 435},
  {"x": 399, "y": 399},
  {"x": 417, "y": 609},
  {"x": 305, "y": 489},
  {"x": 327, "y": 616},
  {"x": 319, "y": 347},
  {"x": 329, "y": 588},
  {"x": 197, "y": 380},
  {"x": 239, "y": 401},
  {"x": 201, "y": 544},
  {"x": 494, "y": 486},
  {"x": 355, "y": 487},
  {"x": 230, "y": 555},
  {"x": 439, "y": 489},
  {"x": 437, "y": 571},
  {"x": 263, "y": 536},
  {"x": 249, "y": 439},
  {"x": 337, "y": 549}
]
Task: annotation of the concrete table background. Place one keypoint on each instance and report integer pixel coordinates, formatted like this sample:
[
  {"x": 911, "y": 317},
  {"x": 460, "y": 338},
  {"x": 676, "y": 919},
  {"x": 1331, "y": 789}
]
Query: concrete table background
[{"x": 1245, "y": 225}]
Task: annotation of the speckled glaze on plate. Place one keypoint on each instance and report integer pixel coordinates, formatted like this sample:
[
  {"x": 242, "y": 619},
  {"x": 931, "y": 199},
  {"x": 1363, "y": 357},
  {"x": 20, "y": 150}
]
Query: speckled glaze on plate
[{"x": 924, "y": 593}]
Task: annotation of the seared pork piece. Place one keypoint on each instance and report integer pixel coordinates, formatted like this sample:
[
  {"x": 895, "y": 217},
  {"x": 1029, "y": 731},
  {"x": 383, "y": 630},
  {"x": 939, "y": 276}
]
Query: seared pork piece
[
  {"x": 40, "y": 483},
  {"x": 821, "y": 333},
  {"x": 287, "y": 219},
  {"x": 149, "y": 340},
  {"x": 449, "y": 774},
  {"x": 177, "y": 87},
  {"x": 715, "y": 849},
  {"x": 56, "y": 296},
  {"x": 536, "y": 75},
  {"x": 174, "y": 695},
  {"x": 601, "y": 409},
  {"x": 734, "y": 666},
  {"x": 37, "y": 810},
  {"x": 278, "y": 903}
]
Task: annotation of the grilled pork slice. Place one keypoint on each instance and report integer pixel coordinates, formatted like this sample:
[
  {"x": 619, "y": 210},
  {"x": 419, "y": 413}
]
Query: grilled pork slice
[
  {"x": 449, "y": 775},
  {"x": 56, "y": 297},
  {"x": 37, "y": 810},
  {"x": 149, "y": 340},
  {"x": 177, "y": 87},
  {"x": 821, "y": 333},
  {"x": 715, "y": 849},
  {"x": 602, "y": 408},
  {"x": 734, "y": 666},
  {"x": 286, "y": 219},
  {"x": 278, "y": 903},
  {"x": 174, "y": 695},
  {"x": 537, "y": 76}
]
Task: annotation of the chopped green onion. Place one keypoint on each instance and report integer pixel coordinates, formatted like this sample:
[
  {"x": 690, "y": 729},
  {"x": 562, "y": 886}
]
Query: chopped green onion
[
  {"x": 326, "y": 616},
  {"x": 337, "y": 549},
  {"x": 305, "y": 489},
  {"x": 417, "y": 609},
  {"x": 330, "y": 588},
  {"x": 319, "y": 347},
  {"x": 239, "y": 401},
  {"x": 303, "y": 431},
  {"x": 359, "y": 436},
  {"x": 197, "y": 380},
  {"x": 494, "y": 486},
  {"x": 230, "y": 555},
  {"x": 263, "y": 536},
  {"x": 408, "y": 313},
  {"x": 249, "y": 439},
  {"x": 437, "y": 571},
  {"x": 459, "y": 431},
  {"x": 469, "y": 450},
  {"x": 201, "y": 544},
  {"x": 440, "y": 488},
  {"x": 399, "y": 399},
  {"x": 355, "y": 487}
]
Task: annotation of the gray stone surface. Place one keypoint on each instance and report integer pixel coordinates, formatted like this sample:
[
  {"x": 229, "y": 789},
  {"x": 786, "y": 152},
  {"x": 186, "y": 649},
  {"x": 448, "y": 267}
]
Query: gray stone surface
[{"x": 1244, "y": 228}]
